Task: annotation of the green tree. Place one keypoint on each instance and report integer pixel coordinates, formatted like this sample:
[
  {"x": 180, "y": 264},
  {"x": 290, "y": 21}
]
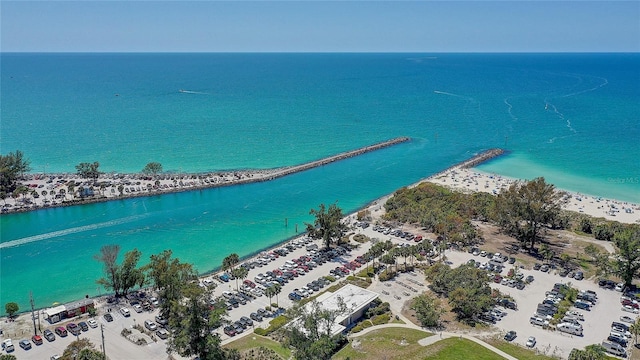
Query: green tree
[
  {"x": 82, "y": 349},
  {"x": 327, "y": 225},
  {"x": 120, "y": 278},
  {"x": 311, "y": 337},
  {"x": 193, "y": 325},
  {"x": 230, "y": 261},
  {"x": 603, "y": 232},
  {"x": 634, "y": 329},
  {"x": 586, "y": 226},
  {"x": 627, "y": 257},
  {"x": 240, "y": 273},
  {"x": 8, "y": 357},
  {"x": 12, "y": 167},
  {"x": 526, "y": 208},
  {"x": 428, "y": 310},
  {"x": 169, "y": 277},
  {"x": 590, "y": 352},
  {"x": 89, "y": 170},
  {"x": 152, "y": 168},
  {"x": 11, "y": 308}
]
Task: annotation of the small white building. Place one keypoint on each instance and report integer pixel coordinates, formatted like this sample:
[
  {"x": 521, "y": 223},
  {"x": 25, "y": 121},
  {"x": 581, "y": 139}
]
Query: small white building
[{"x": 357, "y": 300}]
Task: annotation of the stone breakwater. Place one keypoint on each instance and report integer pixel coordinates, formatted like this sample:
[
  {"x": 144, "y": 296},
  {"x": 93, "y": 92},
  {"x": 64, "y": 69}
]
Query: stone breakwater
[{"x": 55, "y": 190}]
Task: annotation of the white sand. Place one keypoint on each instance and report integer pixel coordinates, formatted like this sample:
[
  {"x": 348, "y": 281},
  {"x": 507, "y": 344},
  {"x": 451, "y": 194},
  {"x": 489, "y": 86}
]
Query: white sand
[{"x": 458, "y": 178}]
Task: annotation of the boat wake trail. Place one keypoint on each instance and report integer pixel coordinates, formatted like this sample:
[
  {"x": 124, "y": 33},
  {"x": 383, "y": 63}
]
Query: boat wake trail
[
  {"x": 506, "y": 101},
  {"x": 192, "y": 92},
  {"x": 448, "y": 93},
  {"x": 65, "y": 232}
]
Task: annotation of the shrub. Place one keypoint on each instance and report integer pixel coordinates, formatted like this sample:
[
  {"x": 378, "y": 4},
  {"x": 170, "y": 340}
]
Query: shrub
[
  {"x": 387, "y": 275},
  {"x": 360, "y": 238},
  {"x": 260, "y": 331},
  {"x": 365, "y": 324},
  {"x": 381, "y": 319},
  {"x": 357, "y": 328},
  {"x": 330, "y": 278},
  {"x": 368, "y": 273}
]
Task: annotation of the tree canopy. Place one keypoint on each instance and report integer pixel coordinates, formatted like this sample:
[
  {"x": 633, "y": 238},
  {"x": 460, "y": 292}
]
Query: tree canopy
[
  {"x": 11, "y": 308},
  {"x": 428, "y": 310},
  {"x": 82, "y": 349},
  {"x": 120, "y": 278},
  {"x": 310, "y": 331},
  {"x": 12, "y": 166},
  {"x": 626, "y": 263},
  {"x": 89, "y": 170},
  {"x": 327, "y": 225},
  {"x": 466, "y": 287},
  {"x": 526, "y": 208},
  {"x": 152, "y": 168}
]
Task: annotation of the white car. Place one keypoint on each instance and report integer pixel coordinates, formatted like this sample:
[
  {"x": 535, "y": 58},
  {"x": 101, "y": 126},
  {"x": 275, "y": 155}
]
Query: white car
[
  {"x": 137, "y": 308},
  {"x": 531, "y": 342},
  {"x": 93, "y": 323},
  {"x": 629, "y": 308},
  {"x": 125, "y": 312},
  {"x": 627, "y": 319},
  {"x": 619, "y": 287},
  {"x": 150, "y": 325}
]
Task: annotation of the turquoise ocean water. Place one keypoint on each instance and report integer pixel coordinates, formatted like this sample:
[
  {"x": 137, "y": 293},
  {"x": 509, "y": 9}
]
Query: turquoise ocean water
[{"x": 572, "y": 118}]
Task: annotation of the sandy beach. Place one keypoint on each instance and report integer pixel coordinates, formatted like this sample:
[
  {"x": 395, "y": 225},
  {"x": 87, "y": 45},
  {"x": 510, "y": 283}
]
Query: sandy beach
[{"x": 471, "y": 179}]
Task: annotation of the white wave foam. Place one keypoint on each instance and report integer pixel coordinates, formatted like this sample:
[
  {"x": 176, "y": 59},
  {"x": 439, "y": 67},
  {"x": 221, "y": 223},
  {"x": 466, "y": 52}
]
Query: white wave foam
[{"x": 64, "y": 232}]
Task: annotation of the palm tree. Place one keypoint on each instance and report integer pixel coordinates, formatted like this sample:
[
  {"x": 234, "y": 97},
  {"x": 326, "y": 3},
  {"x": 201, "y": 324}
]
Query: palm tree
[
  {"x": 239, "y": 273},
  {"x": 635, "y": 329},
  {"x": 270, "y": 292},
  {"x": 230, "y": 261},
  {"x": 277, "y": 289}
]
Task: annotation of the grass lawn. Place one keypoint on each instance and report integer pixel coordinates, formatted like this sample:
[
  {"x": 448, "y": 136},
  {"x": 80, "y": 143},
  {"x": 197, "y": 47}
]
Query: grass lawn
[
  {"x": 386, "y": 344},
  {"x": 517, "y": 351},
  {"x": 254, "y": 341}
]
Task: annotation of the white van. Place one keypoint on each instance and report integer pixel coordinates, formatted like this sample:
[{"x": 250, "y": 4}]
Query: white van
[
  {"x": 614, "y": 349},
  {"x": 290, "y": 264},
  {"x": 125, "y": 312},
  {"x": 570, "y": 329},
  {"x": 534, "y": 320}
]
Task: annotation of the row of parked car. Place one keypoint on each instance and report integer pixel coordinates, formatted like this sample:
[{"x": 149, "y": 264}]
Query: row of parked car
[
  {"x": 571, "y": 320},
  {"x": 238, "y": 327},
  {"x": 49, "y": 335},
  {"x": 396, "y": 232}
]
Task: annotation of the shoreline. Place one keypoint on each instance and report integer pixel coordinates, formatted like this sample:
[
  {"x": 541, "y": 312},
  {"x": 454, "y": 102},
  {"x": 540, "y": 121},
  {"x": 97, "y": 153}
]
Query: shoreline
[
  {"x": 470, "y": 179},
  {"x": 53, "y": 190}
]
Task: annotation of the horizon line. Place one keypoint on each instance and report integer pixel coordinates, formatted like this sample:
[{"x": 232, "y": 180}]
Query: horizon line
[{"x": 319, "y": 52}]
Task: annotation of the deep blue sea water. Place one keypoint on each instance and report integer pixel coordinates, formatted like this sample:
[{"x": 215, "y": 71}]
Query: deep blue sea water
[{"x": 572, "y": 118}]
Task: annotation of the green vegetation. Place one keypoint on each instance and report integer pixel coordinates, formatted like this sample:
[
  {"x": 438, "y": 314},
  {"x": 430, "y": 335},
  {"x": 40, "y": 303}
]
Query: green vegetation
[
  {"x": 526, "y": 208},
  {"x": 274, "y": 325},
  {"x": 8, "y": 357},
  {"x": 11, "y": 308},
  {"x": 12, "y": 167},
  {"x": 327, "y": 225},
  {"x": 625, "y": 262},
  {"x": 516, "y": 351},
  {"x": 120, "y": 278},
  {"x": 311, "y": 336},
  {"x": 590, "y": 352},
  {"x": 89, "y": 170},
  {"x": 428, "y": 310},
  {"x": 82, "y": 349},
  {"x": 187, "y": 307},
  {"x": 466, "y": 287},
  {"x": 385, "y": 343},
  {"x": 247, "y": 344},
  {"x": 152, "y": 168}
]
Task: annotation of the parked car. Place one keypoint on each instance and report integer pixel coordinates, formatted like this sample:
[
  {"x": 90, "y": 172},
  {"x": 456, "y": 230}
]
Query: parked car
[
  {"x": 510, "y": 335},
  {"x": 150, "y": 325},
  {"x": 92, "y": 323},
  {"x": 37, "y": 339},
  {"x": 162, "y": 334},
  {"x": 108, "y": 317},
  {"x": 629, "y": 308},
  {"x": 138, "y": 308},
  {"x": 83, "y": 325},
  {"x": 62, "y": 332},
  {"x": 531, "y": 341},
  {"x": 49, "y": 335},
  {"x": 73, "y": 328},
  {"x": 230, "y": 330},
  {"x": 627, "y": 319},
  {"x": 25, "y": 344},
  {"x": 7, "y": 345},
  {"x": 125, "y": 312}
]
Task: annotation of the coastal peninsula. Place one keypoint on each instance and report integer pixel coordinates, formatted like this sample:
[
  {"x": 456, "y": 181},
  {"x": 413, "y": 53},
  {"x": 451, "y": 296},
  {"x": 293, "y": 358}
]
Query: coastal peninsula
[{"x": 53, "y": 190}]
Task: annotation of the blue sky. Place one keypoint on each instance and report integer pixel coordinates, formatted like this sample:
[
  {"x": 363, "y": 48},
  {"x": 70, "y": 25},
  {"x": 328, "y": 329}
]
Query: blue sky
[{"x": 320, "y": 26}]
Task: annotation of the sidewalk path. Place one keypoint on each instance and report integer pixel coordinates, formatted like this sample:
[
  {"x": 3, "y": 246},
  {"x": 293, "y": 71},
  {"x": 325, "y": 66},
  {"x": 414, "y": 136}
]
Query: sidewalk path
[{"x": 435, "y": 337}]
